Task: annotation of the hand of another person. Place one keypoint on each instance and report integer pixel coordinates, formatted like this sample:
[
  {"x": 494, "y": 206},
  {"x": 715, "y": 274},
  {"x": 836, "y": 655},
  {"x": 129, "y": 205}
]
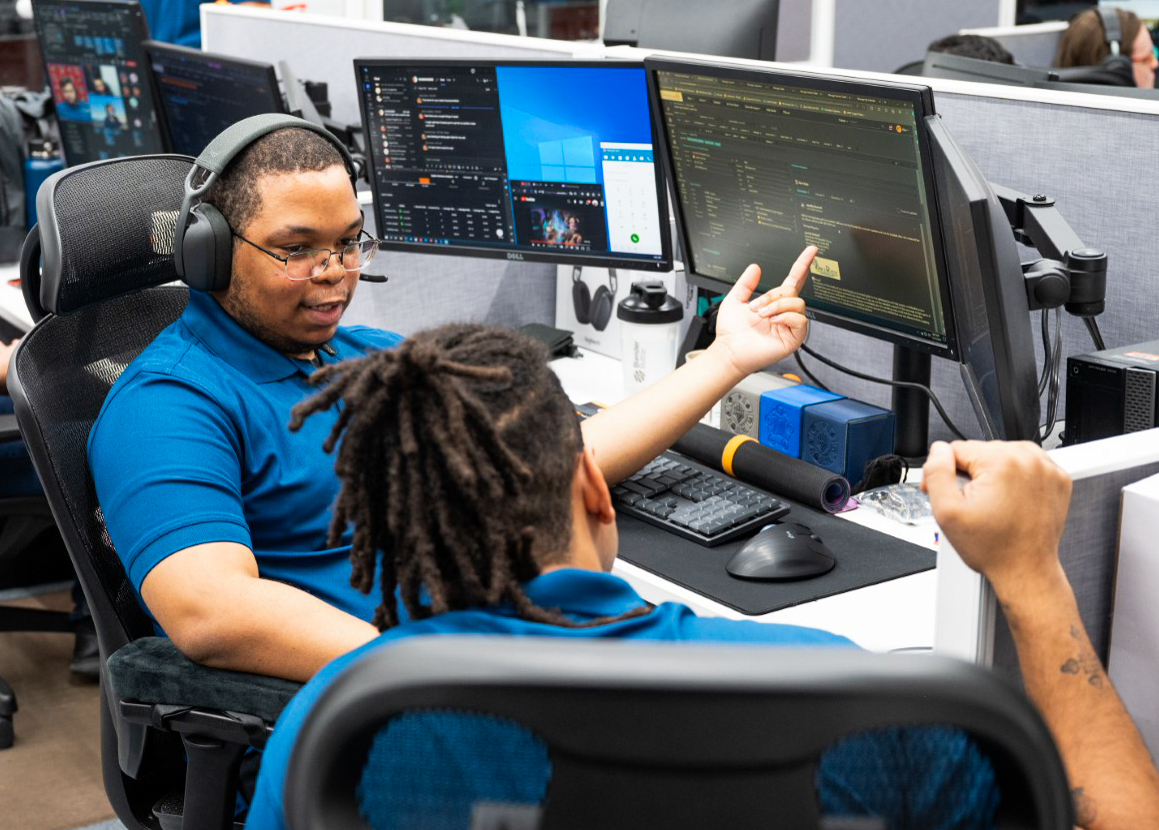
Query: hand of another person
[
  {"x": 767, "y": 328},
  {"x": 1006, "y": 521}
]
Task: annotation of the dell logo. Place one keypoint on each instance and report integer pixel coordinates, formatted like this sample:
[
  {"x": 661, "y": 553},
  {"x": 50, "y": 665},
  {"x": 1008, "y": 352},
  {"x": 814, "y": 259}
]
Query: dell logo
[{"x": 513, "y": 255}]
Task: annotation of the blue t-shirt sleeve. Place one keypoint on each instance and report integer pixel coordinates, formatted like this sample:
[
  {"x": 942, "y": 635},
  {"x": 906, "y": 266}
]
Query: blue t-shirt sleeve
[{"x": 166, "y": 463}]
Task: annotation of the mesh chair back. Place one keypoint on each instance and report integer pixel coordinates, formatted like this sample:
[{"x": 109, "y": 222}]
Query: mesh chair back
[
  {"x": 645, "y": 734},
  {"x": 106, "y": 229}
]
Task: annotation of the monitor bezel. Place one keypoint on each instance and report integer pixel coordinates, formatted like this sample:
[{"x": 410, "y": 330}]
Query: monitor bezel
[
  {"x": 974, "y": 70},
  {"x": 134, "y": 8},
  {"x": 920, "y": 96},
  {"x": 559, "y": 257},
  {"x": 156, "y": 47}
]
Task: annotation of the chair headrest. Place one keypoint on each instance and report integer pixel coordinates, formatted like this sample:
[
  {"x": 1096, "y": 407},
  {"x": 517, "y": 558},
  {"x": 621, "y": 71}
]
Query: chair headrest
[{"x": 106, "y": 229}]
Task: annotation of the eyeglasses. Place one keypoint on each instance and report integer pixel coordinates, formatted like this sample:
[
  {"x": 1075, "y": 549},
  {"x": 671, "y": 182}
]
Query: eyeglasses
[
  {"x": 1151, "y": 57},
  {"x": 311, "y": 264}
]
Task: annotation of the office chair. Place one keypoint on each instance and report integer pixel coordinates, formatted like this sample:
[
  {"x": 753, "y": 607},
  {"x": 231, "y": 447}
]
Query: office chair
[
  {"x": 172, "y": 732},
  {"x": 615, "y": 734}
]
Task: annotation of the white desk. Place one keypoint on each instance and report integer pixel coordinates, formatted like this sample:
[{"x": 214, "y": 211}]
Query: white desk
[
  {"x": 898, "y": 614},
  {"x": 12, "y": 307}
]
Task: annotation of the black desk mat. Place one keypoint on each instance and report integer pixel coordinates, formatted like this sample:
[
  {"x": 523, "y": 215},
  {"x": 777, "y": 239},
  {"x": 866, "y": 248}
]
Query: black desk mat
[{"x": 864, "y": 557}]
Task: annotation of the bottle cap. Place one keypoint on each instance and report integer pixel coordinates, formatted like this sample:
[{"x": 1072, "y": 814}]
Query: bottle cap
[{"x": 649, "y": 302}]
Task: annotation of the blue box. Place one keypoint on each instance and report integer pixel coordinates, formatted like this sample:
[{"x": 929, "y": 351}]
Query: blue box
[
  {"x": 842, "y": 436},
  {"x": 781, "y": 415}
]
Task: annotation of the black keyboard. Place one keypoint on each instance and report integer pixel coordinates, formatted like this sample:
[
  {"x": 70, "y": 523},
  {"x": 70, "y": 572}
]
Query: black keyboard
[{"x": 692, "y": 501}]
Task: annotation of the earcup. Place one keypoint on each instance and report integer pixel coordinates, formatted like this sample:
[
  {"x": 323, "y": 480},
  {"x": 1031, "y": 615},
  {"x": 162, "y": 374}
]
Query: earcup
[
  {"x": 601, "y": 308},
  {"x": 207, "y": 250},
  {"x": 582, "y": 300}
]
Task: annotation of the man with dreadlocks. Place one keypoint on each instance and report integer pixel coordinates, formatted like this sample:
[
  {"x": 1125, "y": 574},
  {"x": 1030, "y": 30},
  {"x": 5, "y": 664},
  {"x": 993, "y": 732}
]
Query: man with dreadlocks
[
  {"x": 478, "y": 502},
  {"x": 219, "y": 513}
]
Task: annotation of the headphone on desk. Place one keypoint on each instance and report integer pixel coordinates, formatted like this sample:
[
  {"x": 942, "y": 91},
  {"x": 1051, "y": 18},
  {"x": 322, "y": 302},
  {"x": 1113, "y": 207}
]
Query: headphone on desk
[
  {"x": 595, "y": 310},
  {"x": 203, "y": 242}
]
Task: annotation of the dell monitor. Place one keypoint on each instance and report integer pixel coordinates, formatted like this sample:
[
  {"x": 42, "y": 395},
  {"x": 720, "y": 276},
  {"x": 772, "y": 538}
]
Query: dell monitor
[
  {"x": 961, "y": 68},
  {"x": 96, "y": 69},
  {"x": 763, "y": 162},
  {"x": 736, "y": 29},
  {"x": 542, "y": 161},
  {"x": 201, "y": 93}
]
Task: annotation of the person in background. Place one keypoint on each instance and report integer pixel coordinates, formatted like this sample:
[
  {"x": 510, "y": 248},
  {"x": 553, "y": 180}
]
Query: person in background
[
  {"x": 973, "y": 46},
  {"x": 1084, "y": 43}
]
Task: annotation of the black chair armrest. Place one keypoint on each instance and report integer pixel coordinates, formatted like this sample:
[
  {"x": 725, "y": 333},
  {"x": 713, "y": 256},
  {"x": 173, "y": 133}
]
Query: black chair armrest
[
  {"x": 152, "y": 670},
  {"x": 9, "y": 431}
]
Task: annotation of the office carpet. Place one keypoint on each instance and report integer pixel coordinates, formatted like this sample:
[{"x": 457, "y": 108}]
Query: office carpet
[{"x": 51, "y": 777}]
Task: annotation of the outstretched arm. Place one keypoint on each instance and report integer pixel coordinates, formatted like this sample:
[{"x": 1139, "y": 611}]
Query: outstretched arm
[
  {"x": 1113, "y": 779},
  {"x": 750, "y": 334}
]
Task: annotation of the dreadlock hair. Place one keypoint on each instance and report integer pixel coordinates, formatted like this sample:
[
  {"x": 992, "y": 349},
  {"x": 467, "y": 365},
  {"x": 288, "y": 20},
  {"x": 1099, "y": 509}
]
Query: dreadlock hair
[{"x": 456, "y": 464}]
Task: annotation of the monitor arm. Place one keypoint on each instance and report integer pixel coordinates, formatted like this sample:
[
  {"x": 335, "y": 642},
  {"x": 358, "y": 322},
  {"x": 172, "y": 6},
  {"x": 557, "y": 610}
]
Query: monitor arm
[{"x": 1072, "y": 274}]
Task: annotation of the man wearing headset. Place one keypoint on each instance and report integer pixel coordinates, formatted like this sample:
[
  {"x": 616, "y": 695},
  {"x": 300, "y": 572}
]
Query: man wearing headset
[{"x": 218, "y": 512}]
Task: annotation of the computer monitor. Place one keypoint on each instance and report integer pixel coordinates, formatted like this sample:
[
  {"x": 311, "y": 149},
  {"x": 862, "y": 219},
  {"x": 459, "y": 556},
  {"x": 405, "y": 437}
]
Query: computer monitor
[
  {"x": 961, "y": 68},
  {"x": 96, "y": 69},
  {"x": 537, "y": 161},
  {"x": 736, "y": 29},
  {"x": 763, "y": 162},
  {"x": 201, "y": 93},
  {"x": 990, "y": 308},
  {"x": 422, "y": 12}
]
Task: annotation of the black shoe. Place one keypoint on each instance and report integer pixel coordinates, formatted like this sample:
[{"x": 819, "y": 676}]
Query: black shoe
[{"x": 86, "y": 658}]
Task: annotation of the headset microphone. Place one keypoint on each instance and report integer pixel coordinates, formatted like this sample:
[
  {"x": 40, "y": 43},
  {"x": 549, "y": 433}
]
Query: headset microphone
[{"x": 372, "y": 277}]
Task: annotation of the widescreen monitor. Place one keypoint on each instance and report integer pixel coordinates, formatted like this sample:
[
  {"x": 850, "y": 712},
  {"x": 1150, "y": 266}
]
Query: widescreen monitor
[
  {"x": 95, "y": 67},
  {"x": 961, "y": 68},
  {"x": 991, "y": 313},
  {"x": 736, "y": 29},
  {"x": 543, "y": 161},
  {"x": 201, "y": 93},
  {"x": 763, "y": 162}
]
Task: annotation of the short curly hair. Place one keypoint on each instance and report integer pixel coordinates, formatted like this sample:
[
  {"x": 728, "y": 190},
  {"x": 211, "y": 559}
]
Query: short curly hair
[{"x": 289, "y": 150}]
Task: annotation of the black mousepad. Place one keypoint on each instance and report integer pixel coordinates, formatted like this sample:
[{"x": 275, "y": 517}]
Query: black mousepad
[{"x": 864, "y": 557}]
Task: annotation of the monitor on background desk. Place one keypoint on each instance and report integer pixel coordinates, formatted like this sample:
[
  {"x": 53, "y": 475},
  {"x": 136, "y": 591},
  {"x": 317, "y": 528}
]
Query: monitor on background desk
[
  {"x": 961, "y": 68},
  {"x": 736, "y": 29},
  {"x": 202, "y": 93},
  {"x": 763, "y": 162},
  {"x": 96, "y": 69},
  {"x": 543, "y": 161}
]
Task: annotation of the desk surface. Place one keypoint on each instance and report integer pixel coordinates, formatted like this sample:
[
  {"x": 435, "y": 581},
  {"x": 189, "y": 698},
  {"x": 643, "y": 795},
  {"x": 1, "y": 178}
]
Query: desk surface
[
  {"x": 898, "y": 614},
  {"x": 12, "y": 307}
]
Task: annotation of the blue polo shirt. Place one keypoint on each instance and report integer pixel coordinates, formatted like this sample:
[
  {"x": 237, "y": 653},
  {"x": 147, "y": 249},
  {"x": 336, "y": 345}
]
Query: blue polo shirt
[
  {"x": 918, "y": 778},
  {"x": 191, "y": 446}
]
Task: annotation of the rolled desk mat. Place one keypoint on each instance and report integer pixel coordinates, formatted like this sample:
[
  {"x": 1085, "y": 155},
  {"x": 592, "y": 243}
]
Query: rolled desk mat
[
  {"x": 753, "y": 463},
  {"x": 864, "y": 557}
]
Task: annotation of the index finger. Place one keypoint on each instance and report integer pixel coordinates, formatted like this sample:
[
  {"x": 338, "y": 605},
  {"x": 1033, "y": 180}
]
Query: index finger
[{"x": 795, "y": 281}]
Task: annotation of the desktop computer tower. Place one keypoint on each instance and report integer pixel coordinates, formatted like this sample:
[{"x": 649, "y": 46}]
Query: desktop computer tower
[{"x": 1111, "y": 392}]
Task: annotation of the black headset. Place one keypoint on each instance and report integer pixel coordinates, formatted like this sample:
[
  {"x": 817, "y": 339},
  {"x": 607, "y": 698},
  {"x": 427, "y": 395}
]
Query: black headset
[
  {"x": 203, "y": 243},
  {"x": 595, "y": 310}
]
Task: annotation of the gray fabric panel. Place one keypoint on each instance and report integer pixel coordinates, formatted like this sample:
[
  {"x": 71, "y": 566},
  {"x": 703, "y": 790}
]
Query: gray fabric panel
[
  {"x": 326, "y": 53},
  {"x": 881, "y": 35},
  {"x": 427, "y": 290},
  {"x": 794, "y": 29},
  {"x": 1035, "y": 49}
]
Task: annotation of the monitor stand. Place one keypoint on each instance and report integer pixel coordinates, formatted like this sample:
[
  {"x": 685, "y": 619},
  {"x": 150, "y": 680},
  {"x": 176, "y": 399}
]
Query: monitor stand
[{"x": 911, "y": 407}]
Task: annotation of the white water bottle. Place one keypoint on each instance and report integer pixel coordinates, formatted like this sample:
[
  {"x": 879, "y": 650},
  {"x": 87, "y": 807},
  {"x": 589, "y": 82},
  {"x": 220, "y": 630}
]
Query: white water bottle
[{"x": 650, "y": 332}]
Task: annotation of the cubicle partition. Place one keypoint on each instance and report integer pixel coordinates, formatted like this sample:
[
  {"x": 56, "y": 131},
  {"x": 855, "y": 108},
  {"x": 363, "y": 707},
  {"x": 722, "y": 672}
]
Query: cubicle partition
[
  {"x": 882, "y": 35},
  {"x": 1031, "y": 45}
]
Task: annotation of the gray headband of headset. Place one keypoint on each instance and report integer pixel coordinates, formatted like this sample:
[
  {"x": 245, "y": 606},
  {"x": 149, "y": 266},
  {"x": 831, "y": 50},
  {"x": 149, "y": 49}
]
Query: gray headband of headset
[{"x": 232, "y": 140}]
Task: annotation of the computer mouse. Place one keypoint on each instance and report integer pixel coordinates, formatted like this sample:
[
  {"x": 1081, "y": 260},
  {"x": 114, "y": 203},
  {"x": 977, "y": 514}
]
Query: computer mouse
[{"x": 782, "y": 552}]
